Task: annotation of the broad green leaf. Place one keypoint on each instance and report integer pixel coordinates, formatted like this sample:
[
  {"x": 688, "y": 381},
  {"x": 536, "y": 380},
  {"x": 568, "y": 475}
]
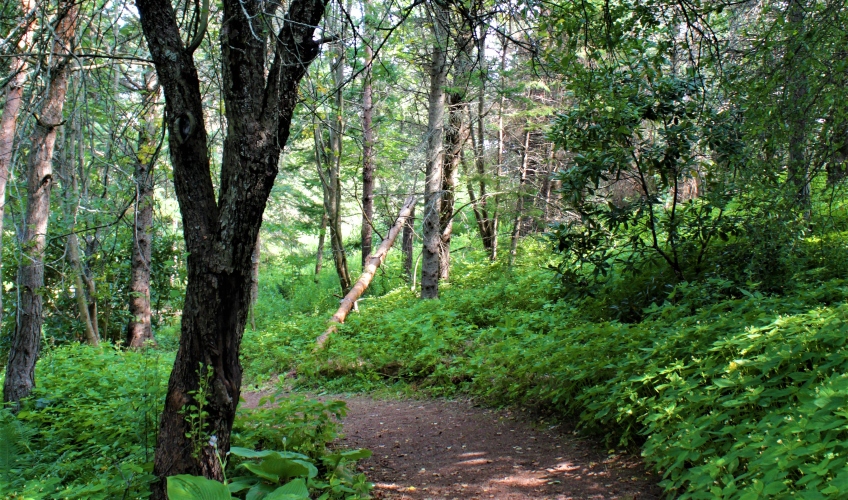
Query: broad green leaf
[
  {"x": 241, "y": 483},
  {"x": 259, "y": 490},
  {"x": 256, "y": 469},
  {"x": 186, "y": 487},
  {"x": 248, "y": 453},
  {"x": 293, "y": 490},
  {"x": 283, "y": 468}
]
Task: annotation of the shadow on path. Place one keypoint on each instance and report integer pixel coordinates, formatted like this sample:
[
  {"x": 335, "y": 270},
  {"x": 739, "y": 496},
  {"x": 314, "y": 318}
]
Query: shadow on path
[{"x": 435, "y": 449}]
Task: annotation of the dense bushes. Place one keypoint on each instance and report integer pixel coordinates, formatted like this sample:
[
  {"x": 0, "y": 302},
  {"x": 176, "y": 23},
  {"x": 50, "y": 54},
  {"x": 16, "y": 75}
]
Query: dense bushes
[
  {"x": 89, "y": 429},
  {"x": 729, "y": 392}
]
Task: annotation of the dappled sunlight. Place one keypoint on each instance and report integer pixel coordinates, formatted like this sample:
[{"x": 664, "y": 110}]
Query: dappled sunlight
[{"x": 430, "y": 450}]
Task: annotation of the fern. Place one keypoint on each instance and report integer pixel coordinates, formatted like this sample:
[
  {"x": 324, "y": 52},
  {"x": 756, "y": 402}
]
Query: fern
[{"x": 14, "y": 450}]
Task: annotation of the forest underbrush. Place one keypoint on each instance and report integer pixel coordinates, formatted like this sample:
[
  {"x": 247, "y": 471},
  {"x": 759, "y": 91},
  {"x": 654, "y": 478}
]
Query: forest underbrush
[{"x": 727, "y": 390}]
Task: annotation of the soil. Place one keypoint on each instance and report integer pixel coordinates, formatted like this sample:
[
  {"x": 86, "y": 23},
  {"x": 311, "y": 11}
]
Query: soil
[{"x": 437, "y": 449}]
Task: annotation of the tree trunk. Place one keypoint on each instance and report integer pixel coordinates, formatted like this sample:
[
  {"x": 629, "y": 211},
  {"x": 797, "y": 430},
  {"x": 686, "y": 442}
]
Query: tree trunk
[
  {"x": 139, "y": 330},
  {"x": 371, "y": 265},
  {"x": 26, "y": 341},
  {"x": 221, "y": 234},
  {"x": 407, "y": 244},
  {"x": 322, "y": 233},
  {"x": 71, "y": 199},
  {"x": 92, "y": 336},
  {"x": 11, "y": 109},
  {"x": 367, "y": 158},
  {"x": 430, "y": 267},
  {"x": 335, "y": 193},
  {"x": 254, "y": 280},
  {"x": 519, "y": 205},
  {"x": 455, "y": 137},
  {"x": 799, "y": 170}
]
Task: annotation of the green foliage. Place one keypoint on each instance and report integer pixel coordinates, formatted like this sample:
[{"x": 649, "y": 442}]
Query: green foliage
[
  {"x": 729, "y": 391},
  {"x": 186, "y": 487},
  {"x": 279, "y": 475},
  {"x": 195, "y": 412},
  {"x": 89, "y": 429},
  {"x": 291, "y": 422}
]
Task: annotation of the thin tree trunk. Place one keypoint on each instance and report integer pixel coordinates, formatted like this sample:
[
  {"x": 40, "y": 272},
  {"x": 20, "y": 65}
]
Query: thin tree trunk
[
  {"x": 407, "y": 244},
  {"x": 322, "y": 233},
  {"x": 501, "y": 147},
  {"x": 479, "y": 203},
  {"x": 799, "y": 170},
  {"x": 70, "y": 194},
  {"x": 11, "y": 109},
  {"x": 367, "y": 157},
  {"x": 455, "y": 137},
  {"x": 254, "y": 280},
  {"x": 371, "y": 265},
  {"x": 220, "y": 233},
  {"x": 430, "y": 267},
  {"x": 26, "y": 341},
  {"x": 335, "y": 194},
  {"x": 92, "y": 336},
  {"x": 140, "y": 330},
  {"x": 519, "y": 205},
  {"x": 547, "y": 185}
]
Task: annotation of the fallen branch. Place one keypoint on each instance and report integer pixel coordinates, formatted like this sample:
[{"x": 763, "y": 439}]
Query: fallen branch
[{"x": 371, "y": 264}]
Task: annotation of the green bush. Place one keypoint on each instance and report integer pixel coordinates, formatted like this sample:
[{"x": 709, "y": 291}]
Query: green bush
[
  {"x": 91, "y": 423},
  {"x": 729, "y": 392}
]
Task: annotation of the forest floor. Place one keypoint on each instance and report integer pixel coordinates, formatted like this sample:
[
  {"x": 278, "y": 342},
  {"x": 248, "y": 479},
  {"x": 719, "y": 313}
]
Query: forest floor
[{"x": 443, "y": 449}]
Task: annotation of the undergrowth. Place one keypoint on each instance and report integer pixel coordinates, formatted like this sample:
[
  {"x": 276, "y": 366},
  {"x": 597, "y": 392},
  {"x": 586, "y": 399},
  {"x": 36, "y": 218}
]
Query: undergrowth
[
  {"x": 89, "y": 429},
  {"x": 729, "y": 392}
]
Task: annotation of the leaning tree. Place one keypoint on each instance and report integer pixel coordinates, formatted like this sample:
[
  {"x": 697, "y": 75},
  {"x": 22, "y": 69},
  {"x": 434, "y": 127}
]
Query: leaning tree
[{"x": 263, "y": 57}]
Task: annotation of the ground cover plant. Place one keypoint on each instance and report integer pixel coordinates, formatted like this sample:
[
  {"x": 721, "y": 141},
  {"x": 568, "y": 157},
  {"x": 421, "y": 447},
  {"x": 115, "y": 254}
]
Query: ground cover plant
[
  {"x": 727, "y": 391},
  {"x": 89, "y": 432}
]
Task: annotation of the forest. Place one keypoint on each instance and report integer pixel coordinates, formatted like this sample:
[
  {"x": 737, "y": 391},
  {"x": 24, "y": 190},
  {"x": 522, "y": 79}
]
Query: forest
[{"x": 617, "y": 229}]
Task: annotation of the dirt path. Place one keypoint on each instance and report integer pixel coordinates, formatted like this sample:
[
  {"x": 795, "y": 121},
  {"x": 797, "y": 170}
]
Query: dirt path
[{"x": 437, "y": 449}]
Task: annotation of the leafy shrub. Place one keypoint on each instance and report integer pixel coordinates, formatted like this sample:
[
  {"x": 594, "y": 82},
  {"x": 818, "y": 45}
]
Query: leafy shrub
[
  {"x": 292, "y": 423},
  {"x": 90, "y": 424},
  {"x": 729, "y": 392}
]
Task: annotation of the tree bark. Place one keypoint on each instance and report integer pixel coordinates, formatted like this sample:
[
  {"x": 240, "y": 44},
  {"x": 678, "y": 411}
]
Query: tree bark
[
  {"x": 92, "y": 336},
  {"x": 455, "y": 137},
  {"x": 322, "y": 233},
  {"x": 254, "y": 279},
  {"x": 221, "y": 235},
  {"x": 407, "y": 245},
  {"x": 26, "y": 341},
  {"x": 367, "y": 157},
  {"x": 139, "y": 330},
  {"x": 430, "y": 267},
  {"x": 11, "y": 109},
  {"x": 799, "y": 170},
  {"x": 333, "y": 195},
  {"x": 519, "y": 205},
  {"x": 371, "y": 265},
  {"x": 71, "y": 198}
]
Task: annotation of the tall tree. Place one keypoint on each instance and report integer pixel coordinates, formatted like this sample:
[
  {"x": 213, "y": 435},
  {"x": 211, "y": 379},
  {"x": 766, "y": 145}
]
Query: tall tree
[
  {"x": 72, "y": 152},
  {"x": 797, "y": 67},
  {"x": 11, "y": 109},
  {"x": 261, "y": 71},
  {"x": 430, "y": 266},
  {"x": 139, "y": 329},
  {"x": 456, "y": 136},
  {"x": 26, "y": 341},
  {"x": 367, "y": 148}
]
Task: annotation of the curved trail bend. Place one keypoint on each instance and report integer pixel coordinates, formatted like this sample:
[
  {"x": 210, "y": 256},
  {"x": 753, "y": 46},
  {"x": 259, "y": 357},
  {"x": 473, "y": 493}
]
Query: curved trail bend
[{"x": 437, "y": 449}]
